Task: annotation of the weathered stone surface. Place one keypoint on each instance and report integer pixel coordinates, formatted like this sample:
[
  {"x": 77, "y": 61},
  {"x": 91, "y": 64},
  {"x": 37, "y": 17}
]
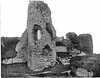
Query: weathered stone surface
[
  {"x": 39, "y": 19},
  {"x": 73, "y": 41},
  {"x": 72, "y": 36},
  {"x": 87, "y": 43},
  {"x": 81, "y": 72},
  {"x": 90, "y": 63},
  {"x": 22, "y": 47},
  {"x": 8, "y": 47},
  {"x": 60, "y": 49},
  {"x": 23, "y": 40}
]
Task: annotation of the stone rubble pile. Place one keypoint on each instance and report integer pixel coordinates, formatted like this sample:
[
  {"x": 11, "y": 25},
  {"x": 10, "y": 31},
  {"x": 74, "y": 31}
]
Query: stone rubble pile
[{"x": 42, "y": 49}]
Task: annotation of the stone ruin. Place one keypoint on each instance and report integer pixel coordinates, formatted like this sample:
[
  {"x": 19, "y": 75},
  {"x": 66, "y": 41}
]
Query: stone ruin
[
  {"x": 41, "y": 48},
  {"x": 39, "y": 37},
  {"x": 37, "y": 45}
]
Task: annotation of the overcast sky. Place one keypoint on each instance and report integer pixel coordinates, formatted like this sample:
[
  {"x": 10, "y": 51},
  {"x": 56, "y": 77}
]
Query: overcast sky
[{"x": 79, "y": 16}]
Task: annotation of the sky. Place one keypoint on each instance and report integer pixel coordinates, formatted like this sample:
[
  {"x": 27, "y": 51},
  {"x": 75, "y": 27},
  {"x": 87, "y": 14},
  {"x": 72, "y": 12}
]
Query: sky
[{"x": 79, "y": 16}]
